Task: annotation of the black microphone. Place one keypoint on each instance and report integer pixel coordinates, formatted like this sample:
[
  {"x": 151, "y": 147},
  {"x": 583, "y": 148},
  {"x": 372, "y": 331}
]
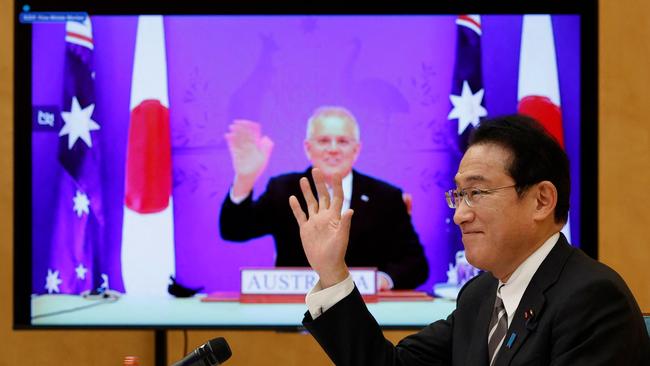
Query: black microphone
[{"x": 214, "y": 352}]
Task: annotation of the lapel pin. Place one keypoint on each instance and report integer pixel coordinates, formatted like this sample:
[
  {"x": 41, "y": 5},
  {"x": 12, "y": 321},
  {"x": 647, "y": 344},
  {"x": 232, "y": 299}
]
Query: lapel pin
[
  {"x": 531, "y": 323},
  {"x": 364, "y": 198},
  {"x": 528, "y": 314},
  {"x": 511, "y": 340}
]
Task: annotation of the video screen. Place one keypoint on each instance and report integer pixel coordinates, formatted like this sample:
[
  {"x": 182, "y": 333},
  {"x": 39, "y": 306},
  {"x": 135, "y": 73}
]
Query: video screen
[{"x": 131, "y": 164}]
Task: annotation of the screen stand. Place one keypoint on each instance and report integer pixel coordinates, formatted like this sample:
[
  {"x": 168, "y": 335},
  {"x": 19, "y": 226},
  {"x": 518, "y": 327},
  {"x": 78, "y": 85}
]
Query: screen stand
[{"x": 160, "y": 355}]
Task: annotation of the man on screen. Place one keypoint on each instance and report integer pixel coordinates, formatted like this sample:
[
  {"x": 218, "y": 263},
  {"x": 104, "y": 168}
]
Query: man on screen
[
  {"x": 382, "y": 234},
  {"x": 539, "y": 302}
]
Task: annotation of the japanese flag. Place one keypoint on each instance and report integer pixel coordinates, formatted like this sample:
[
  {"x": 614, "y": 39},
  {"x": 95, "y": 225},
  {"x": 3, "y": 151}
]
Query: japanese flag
[
  {"x": 539, "y": 89},
  {"x": 148, "y": 231}
]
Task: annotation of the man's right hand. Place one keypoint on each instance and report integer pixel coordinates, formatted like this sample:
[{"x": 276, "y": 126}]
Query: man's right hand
[
  {"x": 325, "y": 233},
  {"x": 250, "y": 154}
]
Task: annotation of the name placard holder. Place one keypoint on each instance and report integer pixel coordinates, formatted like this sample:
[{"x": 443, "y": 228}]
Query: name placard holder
[{"x": 291, "y": 284}]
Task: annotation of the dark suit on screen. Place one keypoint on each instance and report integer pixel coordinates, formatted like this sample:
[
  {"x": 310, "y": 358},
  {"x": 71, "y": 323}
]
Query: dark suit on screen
[
  {"x": 583, "y": 314},
  {"x": 381, "y": 234}
]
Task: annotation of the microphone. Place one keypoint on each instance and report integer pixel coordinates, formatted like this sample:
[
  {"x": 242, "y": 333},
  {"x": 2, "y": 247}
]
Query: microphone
[{"x": 213, "y": 353}]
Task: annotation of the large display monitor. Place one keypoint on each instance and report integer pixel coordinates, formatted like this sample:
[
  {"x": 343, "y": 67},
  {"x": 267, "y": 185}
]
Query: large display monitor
[{"x": 92, "y": 165}]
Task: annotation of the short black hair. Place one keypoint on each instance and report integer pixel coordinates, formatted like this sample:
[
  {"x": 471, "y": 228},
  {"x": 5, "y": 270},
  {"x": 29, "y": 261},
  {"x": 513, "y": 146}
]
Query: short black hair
[{"x": 536, "y": 155}]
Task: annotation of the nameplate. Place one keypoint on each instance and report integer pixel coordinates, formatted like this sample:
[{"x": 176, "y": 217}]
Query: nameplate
[{"x": 298, "y": 281}]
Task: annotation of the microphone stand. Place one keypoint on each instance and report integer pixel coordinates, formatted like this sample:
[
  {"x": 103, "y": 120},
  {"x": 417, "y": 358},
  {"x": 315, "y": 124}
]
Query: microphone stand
[{"x": 160, "y": 347}]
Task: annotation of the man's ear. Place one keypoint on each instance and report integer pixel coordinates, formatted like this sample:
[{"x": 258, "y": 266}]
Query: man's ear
[
  {"x": 357, "y": 152},
  {"x": 307, "y": 146},
  {"x": 545, "y": 200}
]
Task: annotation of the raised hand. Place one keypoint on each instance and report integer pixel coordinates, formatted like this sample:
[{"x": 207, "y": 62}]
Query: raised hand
[
  {"x": 324, "y": 231},
  {"x": 250, "y": 154}
]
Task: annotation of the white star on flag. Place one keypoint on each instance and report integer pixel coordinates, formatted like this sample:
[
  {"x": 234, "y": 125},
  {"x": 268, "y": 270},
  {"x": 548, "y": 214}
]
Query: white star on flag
[
  {"x": 81, "y": 204},
  {"x": 78, "y": 124},
  {"x": 467, "y": 107},
  {"x": 52, "y": 281},
  {"x": 81, "y": 271}
]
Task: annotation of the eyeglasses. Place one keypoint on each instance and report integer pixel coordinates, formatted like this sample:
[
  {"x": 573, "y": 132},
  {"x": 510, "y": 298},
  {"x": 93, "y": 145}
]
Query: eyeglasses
[{"x": 470, "y": 195}]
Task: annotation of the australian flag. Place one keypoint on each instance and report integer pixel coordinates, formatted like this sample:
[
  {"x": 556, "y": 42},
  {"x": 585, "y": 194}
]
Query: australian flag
[
  {"x": 467, "y": 94},
  {"x": 467, "y": 97},
  {"x": 77, "y": 237}
]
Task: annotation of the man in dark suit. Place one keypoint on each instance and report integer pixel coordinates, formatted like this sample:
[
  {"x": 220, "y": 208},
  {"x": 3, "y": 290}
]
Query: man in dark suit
[
  {"x": 382, "y": 234},
  {"x": 540, "y": 301}
]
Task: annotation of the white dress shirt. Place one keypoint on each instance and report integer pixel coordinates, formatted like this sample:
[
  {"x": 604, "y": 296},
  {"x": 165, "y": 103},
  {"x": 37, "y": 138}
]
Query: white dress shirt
[
  {"x": 347, "y": 191},
  {"x": 513, "y": 290}
]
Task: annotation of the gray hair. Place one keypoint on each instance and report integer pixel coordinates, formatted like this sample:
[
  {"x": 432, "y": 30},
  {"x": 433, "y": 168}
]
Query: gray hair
[{"x": 332, "y": 111}]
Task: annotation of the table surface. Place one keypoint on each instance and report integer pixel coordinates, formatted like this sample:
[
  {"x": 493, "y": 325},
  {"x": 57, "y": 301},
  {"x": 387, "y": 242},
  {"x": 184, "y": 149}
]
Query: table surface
[{"x": 167, "y": 311}]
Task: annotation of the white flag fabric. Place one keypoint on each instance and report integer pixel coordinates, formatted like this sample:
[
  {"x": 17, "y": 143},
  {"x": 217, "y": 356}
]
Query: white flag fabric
[{"x": 148, "y": 257}]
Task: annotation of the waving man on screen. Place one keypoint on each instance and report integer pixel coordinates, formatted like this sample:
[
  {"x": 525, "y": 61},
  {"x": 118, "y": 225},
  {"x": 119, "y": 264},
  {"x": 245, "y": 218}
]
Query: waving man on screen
[{"x": 381, "y": 235}]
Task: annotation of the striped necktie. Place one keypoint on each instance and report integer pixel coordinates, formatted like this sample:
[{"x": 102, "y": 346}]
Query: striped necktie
[{"x": 498, "y": 327}]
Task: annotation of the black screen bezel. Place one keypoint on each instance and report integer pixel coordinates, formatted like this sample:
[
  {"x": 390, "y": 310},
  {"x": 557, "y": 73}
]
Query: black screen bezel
[{"x": 22, "y": 282}]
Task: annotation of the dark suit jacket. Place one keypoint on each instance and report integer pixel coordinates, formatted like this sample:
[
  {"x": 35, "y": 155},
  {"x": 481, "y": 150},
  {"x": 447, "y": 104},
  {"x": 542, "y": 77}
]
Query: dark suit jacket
[
  {"x": 381, "y": 233},
  {"x": 584, "y": 314}
]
